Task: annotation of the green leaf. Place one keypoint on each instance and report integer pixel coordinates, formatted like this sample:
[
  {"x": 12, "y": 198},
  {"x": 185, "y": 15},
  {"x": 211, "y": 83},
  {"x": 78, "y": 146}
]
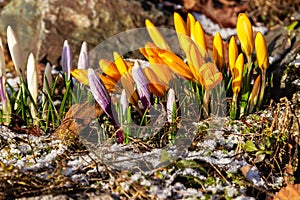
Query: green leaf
[{"x": 250, "y": 146}]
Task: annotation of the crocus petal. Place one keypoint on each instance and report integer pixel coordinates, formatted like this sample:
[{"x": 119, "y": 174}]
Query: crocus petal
[
  {"x": 238, "y": 74},
  {"x": 83, "y": 60},
  {"x": 195, "y": 61},
  {"x": 180, "y": 25},
  {"x": 155, "y": 85},
  {"x": 100, "y": 92},
  {"x": 210, "y": 75},
  {"x": 232, "y": 53},
  {"x": 110, "y": 69},
  {"x": 32, "y": 77},
  {"x": 171, "y": 101},
  {"x": 199, "y": 38},
  {"x": 190, "y": 23},
  {"x": 66, "y": 59},
  {"x": 124, "y": 101},
  {"x": 254, "y": 94},
  {"x": 121, "y": 64},
  {"x": 156, "y": 36},
  {"x": 48, "y": 74},
  {"x": 15, "y": 52},
  {"x": 218, "y": 51},
  {"x": 261, "y": 51},
  {"x": 141, "y": 84},
  {"x": 2, "y": 63},
  {"x": 176, "y": 64},
  {"x": 245, "y": 34}
]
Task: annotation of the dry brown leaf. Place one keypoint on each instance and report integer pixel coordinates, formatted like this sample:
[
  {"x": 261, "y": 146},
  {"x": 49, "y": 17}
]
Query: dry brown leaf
[
  {"x": 77, "y": 118},
  {"x": 288, "y": 193}
]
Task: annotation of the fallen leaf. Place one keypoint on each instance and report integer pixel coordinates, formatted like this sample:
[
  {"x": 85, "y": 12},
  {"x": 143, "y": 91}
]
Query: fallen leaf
[
  {"x": 77, "y": 119},
  {"x": 289, "y": 192}
]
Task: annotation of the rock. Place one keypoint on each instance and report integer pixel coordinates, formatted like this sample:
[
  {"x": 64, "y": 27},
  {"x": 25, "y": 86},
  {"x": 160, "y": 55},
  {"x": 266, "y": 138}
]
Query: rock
[
  {"x": 284, "y": 52},
  {"x": 42, "y": 26}
]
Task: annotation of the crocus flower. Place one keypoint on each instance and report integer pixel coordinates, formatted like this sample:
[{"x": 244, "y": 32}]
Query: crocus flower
[
  {"x": 232, "y": 53},
  {"x": 103, "y": 98},
  {"x": 168, "y": 60},
  {"x": 261, "y": 51},
  {"x": 141, "y": 84},
  {"x": 6, "y": 107},
  {"x": 171, "y": 102},
  {"x": 81, "y": 75},
  {"x": 190, "y": 23},
  {"x": 15, "y": 52},
  {"x": 245, "y": 34},
  {"x": 83, "y": 60},
  {"x": 218, "y": 54},
  {"x": 66, "y": 59},
  {"x": 237, "y": 76},
  {"x": 156, "y": 36},
  {"x": 32, "y": 83},
  {"x": 263, "y": 62}
]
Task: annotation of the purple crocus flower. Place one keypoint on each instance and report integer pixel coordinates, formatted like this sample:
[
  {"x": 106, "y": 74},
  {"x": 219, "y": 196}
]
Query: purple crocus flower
[
  {"x": 170, "y": 105},
  {"x": 66, "y": 59},
  {"x": 102, "y": 96},
  {"x": 83, "y": 61},
  {"x": 141, "y": 84}
]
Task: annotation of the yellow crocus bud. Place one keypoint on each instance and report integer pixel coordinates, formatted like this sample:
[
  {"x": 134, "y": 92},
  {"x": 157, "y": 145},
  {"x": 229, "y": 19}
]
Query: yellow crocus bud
[
  {"x": 237, "y": 76},
  {"x": 190, "y": 23},
  {"x": 218, "y": 51},
  {"x": 180, "y": 25},
  {"x": 232, "y": 53},
  {"x": 245, "y": 34},
  {"x": 156, "y": 36},
  {"x": 261, "y": 51}
]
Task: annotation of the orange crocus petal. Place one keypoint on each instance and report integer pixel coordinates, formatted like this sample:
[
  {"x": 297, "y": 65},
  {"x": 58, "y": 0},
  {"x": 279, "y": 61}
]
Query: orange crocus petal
[
  {"x": 245, "y": 34},
  {"x": 81, "y": 75},
  {"x": 176, "y": 64},
  {"x": 218, "y": 51},
  {"x": 190, "y": 23},
  {"x": 261, "y": 51},
  {"x": 211, "y": 76},
  {"x": 238, "y": 74},
  {"x": 155, "y": 85},
  {"x": 233, "y": 53},
  {"x": 110, "y": 69},
  {"x": 110, "y": 84},
  {"x": 180, "y": 25},
  {"x": 156, "y": 36},
  {"x": 199, "y": 37}
]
